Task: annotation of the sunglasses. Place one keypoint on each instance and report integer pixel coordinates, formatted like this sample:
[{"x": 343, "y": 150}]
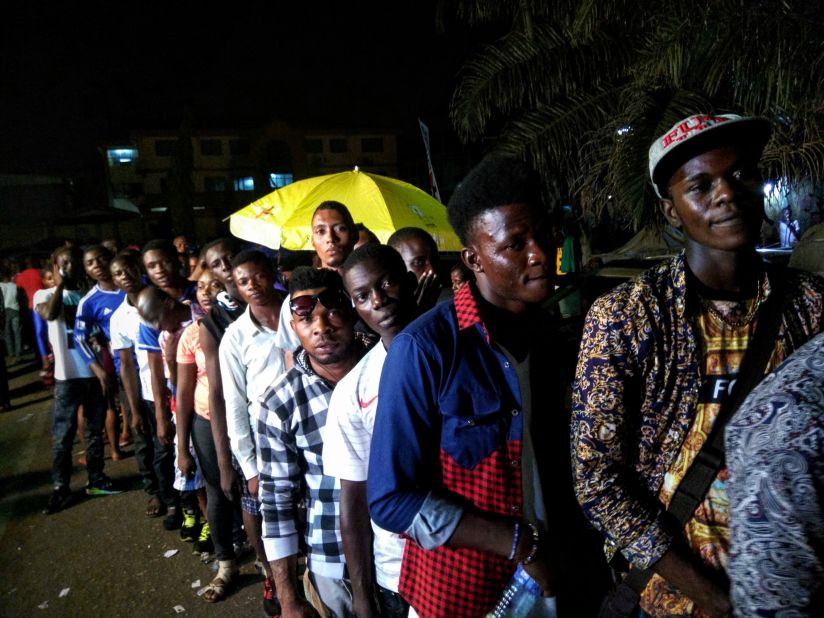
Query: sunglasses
[{"x": 303, "y": 306}]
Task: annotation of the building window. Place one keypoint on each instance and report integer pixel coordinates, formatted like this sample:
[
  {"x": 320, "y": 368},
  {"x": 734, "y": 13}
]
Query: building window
[
  {"x": 245, "y": 183},
  {"x": 211, "y": 147},
  {"x": 313, "y": 146},
  {"x": 338, "y": 144},
  {"x": 121, "y": 156},
  {"x": 214, "y": 184},
  {"x": 239, "y": 147},
  {"x": 164, "y": 147},
  {"x": 276, "y": 181},
  {"x": 372, "y": 144}
]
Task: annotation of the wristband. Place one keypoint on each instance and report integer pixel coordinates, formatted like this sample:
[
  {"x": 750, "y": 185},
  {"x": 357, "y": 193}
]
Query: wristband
[
  {"x": 530, "y": 557},
  {"x": 511, "y": 555}
]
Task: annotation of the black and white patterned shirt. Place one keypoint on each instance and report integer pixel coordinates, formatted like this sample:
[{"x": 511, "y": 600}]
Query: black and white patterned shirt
[
  {"x": 775, "y": 454},
  {"x": 291, "y": 419}
]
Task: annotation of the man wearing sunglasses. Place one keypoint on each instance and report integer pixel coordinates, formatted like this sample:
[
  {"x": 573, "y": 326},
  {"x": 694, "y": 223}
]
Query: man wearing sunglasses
[{"x": 292, "y": 417}]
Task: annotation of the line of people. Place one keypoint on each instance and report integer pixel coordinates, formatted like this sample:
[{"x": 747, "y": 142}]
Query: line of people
[{"x": 415, "y": 453}]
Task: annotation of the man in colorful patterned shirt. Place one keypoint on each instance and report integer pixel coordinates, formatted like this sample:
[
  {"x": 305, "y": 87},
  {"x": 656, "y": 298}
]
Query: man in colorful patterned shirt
[
  {"x": 660, "y": 355},
  {"x": 469, "y": 455}
]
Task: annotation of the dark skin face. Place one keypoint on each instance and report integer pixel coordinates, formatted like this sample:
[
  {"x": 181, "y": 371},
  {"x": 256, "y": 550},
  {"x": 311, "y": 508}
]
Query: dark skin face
[
  {"x": 126, "y": 276},
  {"x": 208, "y": 287},
  {"x": 161, "y": 267},
  {"x": 96, "y": 263},
  {"x": 508, "y": 252},
  {"x": 332, "y": 238},
  {"x": 69, "y": 266},
  {"x": 219, "y": 261},
  {"x": 326, "y": 334},
  {"x": 255, "y": 283},
  {"x": 716, "y": 199},
  {"x": 418, "y": 256},
  {"x": 383, "y": 297}
]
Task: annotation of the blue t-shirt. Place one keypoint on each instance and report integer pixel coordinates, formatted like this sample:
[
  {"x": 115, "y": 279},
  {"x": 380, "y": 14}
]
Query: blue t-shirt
[{"x": 93, "y": 315}]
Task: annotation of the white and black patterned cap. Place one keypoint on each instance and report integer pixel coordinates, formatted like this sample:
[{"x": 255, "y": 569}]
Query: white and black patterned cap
[{"x": 699, "y": 133}]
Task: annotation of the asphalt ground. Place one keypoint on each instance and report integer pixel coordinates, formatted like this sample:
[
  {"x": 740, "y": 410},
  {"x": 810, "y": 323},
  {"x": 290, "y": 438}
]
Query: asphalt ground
[{"x": 100, "y": 556}]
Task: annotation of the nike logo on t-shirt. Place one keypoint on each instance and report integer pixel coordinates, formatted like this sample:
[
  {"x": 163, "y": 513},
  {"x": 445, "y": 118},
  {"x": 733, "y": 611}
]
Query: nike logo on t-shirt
[{"x": 366, "y": 404}]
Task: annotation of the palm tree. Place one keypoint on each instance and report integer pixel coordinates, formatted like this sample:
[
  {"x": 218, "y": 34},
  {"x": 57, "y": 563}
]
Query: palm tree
[{"x": 581, "y": 88}]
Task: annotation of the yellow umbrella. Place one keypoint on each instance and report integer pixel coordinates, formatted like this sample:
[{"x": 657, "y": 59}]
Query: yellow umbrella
[{"x": 284, "y": 217}]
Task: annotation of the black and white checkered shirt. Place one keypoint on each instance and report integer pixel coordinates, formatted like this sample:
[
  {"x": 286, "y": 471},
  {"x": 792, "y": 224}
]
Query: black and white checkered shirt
[{"x": 291, "y": 419}]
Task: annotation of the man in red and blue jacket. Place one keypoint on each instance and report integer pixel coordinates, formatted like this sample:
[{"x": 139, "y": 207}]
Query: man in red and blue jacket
[{"x": 470, "y": 455}]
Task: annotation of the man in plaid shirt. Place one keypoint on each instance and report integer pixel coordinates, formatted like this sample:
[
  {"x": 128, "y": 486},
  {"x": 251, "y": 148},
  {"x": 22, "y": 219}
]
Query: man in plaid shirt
[{"x": 292, "y": 416}]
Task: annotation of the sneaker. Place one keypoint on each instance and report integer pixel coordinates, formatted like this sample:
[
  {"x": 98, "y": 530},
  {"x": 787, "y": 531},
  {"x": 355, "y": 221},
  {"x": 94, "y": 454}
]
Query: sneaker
[
  {"x": 204, "y": 541},
  {"x": 271, "y": 605},
  {"x": 188, "y": 531},
  {"x": 173, "y": 519},
  {"x": 60, "y": 498},
  {"x": 103, "y": 487}
]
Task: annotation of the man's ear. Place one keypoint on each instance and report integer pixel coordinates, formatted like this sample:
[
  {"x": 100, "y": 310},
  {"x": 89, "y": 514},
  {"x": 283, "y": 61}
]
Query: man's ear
[
  {"x": 670, "y": 213},
  {"x": 470, "y": 257}
]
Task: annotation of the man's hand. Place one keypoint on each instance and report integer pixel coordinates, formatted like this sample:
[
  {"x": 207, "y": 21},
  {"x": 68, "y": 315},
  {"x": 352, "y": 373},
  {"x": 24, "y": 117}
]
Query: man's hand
[
  {"x": 230, "y": 483},
  {"x": 707, "y": 589},
  {"x": 186, "y": 463},
  {"x": 298, "y": 608},
  {"x": 138, "y": 425},
  {"x": 539, "y": 571},
  {"x": 106, "y": 382},
  {"x": 365, "y": 606},
  {"x": 252, "y": 485},
  {"x": 427, "y": 287},
  {"x": 165, "y": 431}
]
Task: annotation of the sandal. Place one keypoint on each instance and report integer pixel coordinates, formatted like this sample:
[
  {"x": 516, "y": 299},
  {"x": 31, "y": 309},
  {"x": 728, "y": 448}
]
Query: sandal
[
  {"x": 154, "y": 507},
  {"x": 218, "y": 588}
]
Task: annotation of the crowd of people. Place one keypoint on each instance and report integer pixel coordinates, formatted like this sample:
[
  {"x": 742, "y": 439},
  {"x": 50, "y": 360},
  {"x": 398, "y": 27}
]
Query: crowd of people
[{"x": 408, "y": 447}]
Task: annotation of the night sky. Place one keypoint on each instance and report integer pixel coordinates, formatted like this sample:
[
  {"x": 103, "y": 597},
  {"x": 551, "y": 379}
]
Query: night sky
[{"x": 71, "y": 75}]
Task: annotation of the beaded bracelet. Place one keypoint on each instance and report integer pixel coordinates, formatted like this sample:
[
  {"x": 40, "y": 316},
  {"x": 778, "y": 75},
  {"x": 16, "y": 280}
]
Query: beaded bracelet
[
  {"x": 515, "y": 541},
  {"x": 534, "y": 550}
]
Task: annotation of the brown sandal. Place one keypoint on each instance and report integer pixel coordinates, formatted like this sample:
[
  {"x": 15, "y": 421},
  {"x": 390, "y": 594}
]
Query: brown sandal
[{"x": 217, "y": 589}]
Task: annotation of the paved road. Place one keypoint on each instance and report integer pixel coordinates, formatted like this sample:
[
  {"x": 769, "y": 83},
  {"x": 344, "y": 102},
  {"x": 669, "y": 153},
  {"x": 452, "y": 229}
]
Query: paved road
[{"x": 104, "y": 551}]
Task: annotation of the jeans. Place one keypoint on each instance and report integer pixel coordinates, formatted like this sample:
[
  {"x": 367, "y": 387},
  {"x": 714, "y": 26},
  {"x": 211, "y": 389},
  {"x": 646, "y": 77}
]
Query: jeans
[
  {"x": 219, "y": 510},
  {"x": 13, "y": 332},
  {"x": 164, "y": 458},
  {"x": 69, "y": 395},
  {"x": 391, "y": 603}
]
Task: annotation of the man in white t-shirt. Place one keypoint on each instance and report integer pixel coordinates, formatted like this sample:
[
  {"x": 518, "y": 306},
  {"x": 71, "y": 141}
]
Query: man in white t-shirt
[
  {"x": 136, "y": 384},
  {"x": 382, "y": 290},
  {"x": 75, "y": 384}
]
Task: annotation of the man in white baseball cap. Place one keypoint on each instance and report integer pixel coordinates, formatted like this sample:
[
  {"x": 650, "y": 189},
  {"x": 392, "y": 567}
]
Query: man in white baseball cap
[{"x": 660, "y": 355}]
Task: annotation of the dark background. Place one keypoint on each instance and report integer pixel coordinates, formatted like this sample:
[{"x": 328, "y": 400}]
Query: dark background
[{"x": 73, "y": 74}]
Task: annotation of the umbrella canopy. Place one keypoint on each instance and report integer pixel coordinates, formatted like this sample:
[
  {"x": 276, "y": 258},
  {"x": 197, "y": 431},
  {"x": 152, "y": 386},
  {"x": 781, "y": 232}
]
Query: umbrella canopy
[{"x": 284, "y": 217}]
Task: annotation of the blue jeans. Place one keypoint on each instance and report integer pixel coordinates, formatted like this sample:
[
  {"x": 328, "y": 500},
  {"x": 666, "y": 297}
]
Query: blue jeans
[{"x": 69, "y": 395}]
